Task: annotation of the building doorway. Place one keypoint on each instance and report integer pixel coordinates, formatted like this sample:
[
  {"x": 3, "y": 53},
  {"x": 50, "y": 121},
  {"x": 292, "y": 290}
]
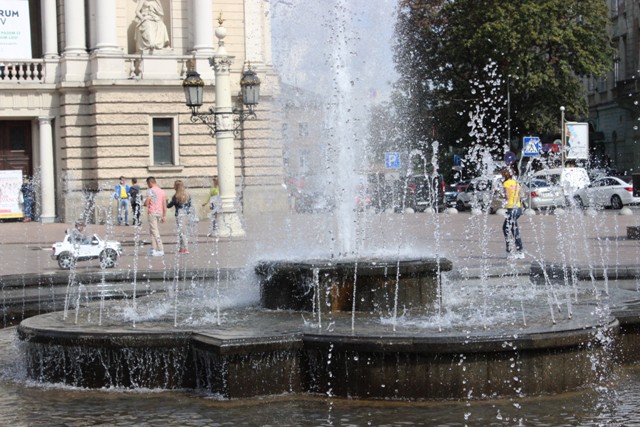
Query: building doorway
[{"x": 15, "y": 146}]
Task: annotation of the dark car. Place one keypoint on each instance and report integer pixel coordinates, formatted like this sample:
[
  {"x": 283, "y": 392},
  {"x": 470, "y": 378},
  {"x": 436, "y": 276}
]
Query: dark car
[{"x": 420, "y": 193}]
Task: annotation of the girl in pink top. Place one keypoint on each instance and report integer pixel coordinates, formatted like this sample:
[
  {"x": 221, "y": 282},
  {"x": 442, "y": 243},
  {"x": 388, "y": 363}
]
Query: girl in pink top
[{"x": 156, "y": 203}]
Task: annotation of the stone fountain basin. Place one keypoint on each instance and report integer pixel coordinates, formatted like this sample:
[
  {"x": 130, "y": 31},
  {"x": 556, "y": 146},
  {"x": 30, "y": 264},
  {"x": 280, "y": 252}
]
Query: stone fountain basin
[
  {"x": 380, "y": 285},
  {"x": 257, "y": 352}
]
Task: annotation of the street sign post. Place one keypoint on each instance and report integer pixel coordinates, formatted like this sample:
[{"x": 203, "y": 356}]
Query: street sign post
[
  {"x": 392, "y": 160},
  {"x": 531, "y": 146},
  {"x": 509, "y": 158}
]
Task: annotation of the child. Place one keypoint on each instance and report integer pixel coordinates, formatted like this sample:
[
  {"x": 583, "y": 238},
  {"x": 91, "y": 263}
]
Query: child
[
  {"x": 77, "y": 234},
  {"x": 181, "y": 200},
  {"x": 214, "y": 204}
]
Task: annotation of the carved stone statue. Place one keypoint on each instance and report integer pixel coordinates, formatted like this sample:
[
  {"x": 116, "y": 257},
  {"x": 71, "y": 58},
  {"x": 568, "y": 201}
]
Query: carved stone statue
[{"x": 151, "y": 33}]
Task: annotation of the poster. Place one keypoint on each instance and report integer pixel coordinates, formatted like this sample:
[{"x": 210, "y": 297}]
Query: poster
[
  {"x": 15, "y": 29},
  {"x": 10, "y": 183},
  {"x": 577, "y": 135}
]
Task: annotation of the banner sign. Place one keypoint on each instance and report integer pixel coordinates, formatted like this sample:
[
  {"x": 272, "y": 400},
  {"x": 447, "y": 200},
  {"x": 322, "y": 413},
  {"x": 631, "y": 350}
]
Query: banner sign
[
  {"x": 10, "y": 184},
  {"x": 15, "y": 29},
  {"x": 577, "y": 135}
]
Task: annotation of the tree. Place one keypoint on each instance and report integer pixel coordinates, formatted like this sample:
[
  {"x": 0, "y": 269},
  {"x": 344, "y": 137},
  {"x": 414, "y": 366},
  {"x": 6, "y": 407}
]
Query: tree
[{"x": 478, "y": 70}]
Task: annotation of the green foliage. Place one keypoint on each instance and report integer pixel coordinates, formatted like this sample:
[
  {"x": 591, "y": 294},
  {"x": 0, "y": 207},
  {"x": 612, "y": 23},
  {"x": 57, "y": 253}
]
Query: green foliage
[{"x": 458, "y": 59}]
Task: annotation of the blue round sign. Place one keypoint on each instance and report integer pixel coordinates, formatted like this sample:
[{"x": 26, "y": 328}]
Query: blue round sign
[{"x": 510, "y": 157}]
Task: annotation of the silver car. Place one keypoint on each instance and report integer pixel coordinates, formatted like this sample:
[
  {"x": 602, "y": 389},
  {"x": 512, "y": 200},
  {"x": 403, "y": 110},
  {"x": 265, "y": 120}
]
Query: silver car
[
  {"x": 543, "y": 195},
  {"x": 481, "y": 193},
  {"x": 607, "y": 191}
]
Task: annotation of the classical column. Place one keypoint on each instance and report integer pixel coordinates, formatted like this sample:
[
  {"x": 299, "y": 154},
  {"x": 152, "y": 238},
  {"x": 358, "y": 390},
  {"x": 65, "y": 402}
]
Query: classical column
[
  {"x": 48, "y": 16},
  {"x": 255, "y": 27},
  {"x": 229, "y": 223},
  {"x": 47, "y": 175},
  {"x": 106, "y": 38},
  {"x": 203, "y": 40},
  {"x": 202, "y": 14},
  {"x": 75, "y": 41}
]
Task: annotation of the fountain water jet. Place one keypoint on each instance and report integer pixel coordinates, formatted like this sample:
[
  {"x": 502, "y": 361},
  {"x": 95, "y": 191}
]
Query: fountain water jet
[{"x": 251, "y": 351}]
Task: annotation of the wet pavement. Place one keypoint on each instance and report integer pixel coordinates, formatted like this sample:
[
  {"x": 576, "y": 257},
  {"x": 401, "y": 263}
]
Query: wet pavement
[{"x": 474, "y": 243}]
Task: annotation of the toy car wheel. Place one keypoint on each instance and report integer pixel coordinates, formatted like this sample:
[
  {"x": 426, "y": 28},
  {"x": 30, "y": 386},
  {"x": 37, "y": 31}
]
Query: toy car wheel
[
  {"x": 108, "y": 258},
  {"x": 66, "y": 260}
]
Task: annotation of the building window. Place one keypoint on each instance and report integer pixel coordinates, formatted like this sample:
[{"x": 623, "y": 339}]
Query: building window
[
  {"x": 303, "y": 129},
  {"x": 602, "y": 84},
  {"x": 302, "y": 162},
  {"x": 163, "y": 140},
  {"x": 613, "y": 8}
]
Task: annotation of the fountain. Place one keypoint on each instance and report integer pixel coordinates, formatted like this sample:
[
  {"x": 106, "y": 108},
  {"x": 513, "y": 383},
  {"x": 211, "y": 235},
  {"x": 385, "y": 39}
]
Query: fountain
[{"x": 352, "y": 311}]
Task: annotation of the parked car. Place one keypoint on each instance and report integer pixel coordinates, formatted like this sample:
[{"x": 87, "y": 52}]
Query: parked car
[
  {"x": 68, "y": 253},
  {"x": 363, "y": 199},
  {"x": 421, "y": 192},
  {"x": 571, "y": 179},
  {"x": 482, "y": 193},
  {"x": 607, "y": 191},
  {"x": 596, "y": 173},
  {"x": 313, "y": 202},
  {"x": 452, "y": 191},
  {"x": 543, "y": 195}
]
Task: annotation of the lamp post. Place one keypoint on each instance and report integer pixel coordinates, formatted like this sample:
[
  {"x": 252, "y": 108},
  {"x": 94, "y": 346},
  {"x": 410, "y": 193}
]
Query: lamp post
[
  {"x": 562, "y": 135},
  {"x": 509, "y": 110},
  {"x": 220, "y": 120}
]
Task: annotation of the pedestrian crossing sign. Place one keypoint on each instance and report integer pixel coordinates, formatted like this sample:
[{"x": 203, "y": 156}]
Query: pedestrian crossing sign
[{"x": 531, "y": 146}]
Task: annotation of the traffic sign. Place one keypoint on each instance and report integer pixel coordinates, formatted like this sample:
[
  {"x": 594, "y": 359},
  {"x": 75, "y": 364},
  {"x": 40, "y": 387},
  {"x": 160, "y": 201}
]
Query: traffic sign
[
  {"x": 531, "y": 146},
  {"x": 509, "y": 158},
  {"x": 392, "y": 160}
]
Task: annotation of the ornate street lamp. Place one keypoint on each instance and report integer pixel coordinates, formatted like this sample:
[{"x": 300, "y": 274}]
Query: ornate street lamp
[
  {"x": 224, "y": 123},
  {"x": 250, "y": 88},
  {"x": 193, "y": 87},
  {"x": 193, "y": 91}
]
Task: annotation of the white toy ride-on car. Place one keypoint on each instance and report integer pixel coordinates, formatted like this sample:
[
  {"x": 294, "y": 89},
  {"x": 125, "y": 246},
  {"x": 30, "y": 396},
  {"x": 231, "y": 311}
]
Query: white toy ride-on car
[{"x": 67, "y": 253}]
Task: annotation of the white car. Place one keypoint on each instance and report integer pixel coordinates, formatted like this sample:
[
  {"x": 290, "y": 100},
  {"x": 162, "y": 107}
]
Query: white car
[
  {"x": 607, "y": 191},
  {"x": 481, "y": 193},
  {"x": 67, "y": 253}
]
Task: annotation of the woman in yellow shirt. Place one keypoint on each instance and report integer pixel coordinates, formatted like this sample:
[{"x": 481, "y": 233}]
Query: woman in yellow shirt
[
  {"x": 215, "y": 204},
  {"x": 513, "y": 205}
]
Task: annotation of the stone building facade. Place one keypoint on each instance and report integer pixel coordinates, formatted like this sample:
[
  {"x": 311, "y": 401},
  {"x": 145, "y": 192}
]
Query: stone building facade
[
  {"x": 100, "y": 95},
  {"x": 614, "y": 100}
]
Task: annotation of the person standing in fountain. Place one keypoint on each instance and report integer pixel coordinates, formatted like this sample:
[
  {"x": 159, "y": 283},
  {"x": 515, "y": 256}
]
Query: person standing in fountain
[
  {"x": 121, "y": 194},
  {"x": 136, "y": 201},
  {"x": 513, "y": 206},
  {"x": 151, "y": 33},
  {"x": 156, "y": 204},
  {"x": 181, "y": 200},
  {"x": 214, "y": 204}
]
